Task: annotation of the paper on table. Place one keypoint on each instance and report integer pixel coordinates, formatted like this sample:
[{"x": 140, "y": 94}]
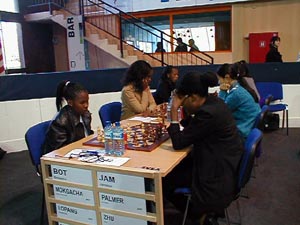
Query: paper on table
[
  {"x": 107, "y": 160},
  {"x": 144, "y": 119},
  {"x": 115, "y": 161},
  {"x": 77, "y": 151}
]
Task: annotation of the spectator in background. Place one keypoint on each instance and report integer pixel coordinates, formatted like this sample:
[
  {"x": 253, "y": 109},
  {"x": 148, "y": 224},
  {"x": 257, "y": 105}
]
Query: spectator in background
[
  {"x": 166, "y": 84},
  {"x": 274, "y": 55},
  {"x": 181, "y": 47},
  {"x": 192, "y": 45},
  {"x": 159, "y": 47},
  {"x": 136, "y": 96},
  {"x": 73, "y": 121}
]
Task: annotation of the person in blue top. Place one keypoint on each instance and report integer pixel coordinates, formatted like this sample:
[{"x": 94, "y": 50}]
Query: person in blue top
[{"x": 237, "y": 94}]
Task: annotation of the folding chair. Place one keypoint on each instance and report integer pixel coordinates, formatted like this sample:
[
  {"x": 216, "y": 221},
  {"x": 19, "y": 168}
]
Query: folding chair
[
  {"x": 35, "y": 138},
  {"x": 110, "y": 112},
  {"x": 276, "y": 105}
]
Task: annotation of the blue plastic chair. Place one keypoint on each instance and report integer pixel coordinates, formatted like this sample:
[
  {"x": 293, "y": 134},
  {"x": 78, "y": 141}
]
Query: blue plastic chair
[
  {"x": 251, "y": 145},
  {"x": 266, "y": 89},
  {"x": 110, "y": 112},
  {"x": 259, "y": 124},
  {"x": 35, "y": 138}
]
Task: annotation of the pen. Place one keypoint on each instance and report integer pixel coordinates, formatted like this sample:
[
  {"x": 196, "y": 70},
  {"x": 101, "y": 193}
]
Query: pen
[{"x": 91, "y": 152}]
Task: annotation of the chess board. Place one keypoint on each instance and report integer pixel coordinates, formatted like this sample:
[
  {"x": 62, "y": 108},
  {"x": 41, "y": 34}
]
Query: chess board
[{"x": 142, "y": 137}]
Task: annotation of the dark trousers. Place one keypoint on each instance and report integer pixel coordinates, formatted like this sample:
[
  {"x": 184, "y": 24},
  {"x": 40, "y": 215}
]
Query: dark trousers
[{"x": 181, "y": 177}]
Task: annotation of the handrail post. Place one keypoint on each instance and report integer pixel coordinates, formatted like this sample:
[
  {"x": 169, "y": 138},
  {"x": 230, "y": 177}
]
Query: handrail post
[
  {"x": 162, "y": 48},
  {"x": 121, "y": 34},
  {"x": 81, "y": 12},
  {"x": 50, "y": 7}
]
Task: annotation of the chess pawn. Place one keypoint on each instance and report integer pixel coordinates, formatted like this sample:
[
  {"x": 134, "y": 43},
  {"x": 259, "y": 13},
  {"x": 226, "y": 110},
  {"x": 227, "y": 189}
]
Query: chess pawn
[{"x": 98, "y": 134}]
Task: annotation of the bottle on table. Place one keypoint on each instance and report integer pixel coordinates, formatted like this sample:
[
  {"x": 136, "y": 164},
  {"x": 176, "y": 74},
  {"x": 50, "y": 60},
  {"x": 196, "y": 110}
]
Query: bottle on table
[
  {"x": 118, "y": 140},
  {"x": 169, "y": 105},
  {"x": 108, "y": 138}
]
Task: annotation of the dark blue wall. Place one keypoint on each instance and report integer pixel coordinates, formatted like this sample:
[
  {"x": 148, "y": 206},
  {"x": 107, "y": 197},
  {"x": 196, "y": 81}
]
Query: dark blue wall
[{"x": 18, "y": 87}]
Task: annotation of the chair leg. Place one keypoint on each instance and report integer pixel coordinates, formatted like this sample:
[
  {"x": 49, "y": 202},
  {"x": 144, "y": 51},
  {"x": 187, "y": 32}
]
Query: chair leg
[
  {"x": 186, "y": 209},
  {"x": 287, "y": 121},
  {"x": 239, "y": 211},
  {"x": 244, "y": 192},
  {"x": 253, "y": 174},
  {"x": 227, "y": 217},
  {"x": 283, "y": 118},
  {"x": 42, "y": 210}
]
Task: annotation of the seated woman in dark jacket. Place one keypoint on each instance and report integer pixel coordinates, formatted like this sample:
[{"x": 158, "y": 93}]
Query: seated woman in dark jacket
[
  {"x": 166, "y": 84},
  {"x": 211, "y": 169},
  {"x": 73, "y": 121}
]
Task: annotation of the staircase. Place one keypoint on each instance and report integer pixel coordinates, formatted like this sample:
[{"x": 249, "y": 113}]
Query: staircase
[{"x": 108, "y": 29}]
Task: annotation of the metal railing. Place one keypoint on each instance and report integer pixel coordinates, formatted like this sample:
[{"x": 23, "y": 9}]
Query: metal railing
[
  {"x": 134, "y": 35},
  {"x": 43, "y": 5},
  {"x": 139, "y": 35}
]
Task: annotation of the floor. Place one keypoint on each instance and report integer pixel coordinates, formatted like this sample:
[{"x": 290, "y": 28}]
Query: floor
[{"x": 274, "y": 195}]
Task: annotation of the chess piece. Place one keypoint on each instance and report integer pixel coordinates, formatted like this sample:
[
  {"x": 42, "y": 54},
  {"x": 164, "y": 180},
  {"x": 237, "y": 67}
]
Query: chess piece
[{"x": 145, "y": 140}]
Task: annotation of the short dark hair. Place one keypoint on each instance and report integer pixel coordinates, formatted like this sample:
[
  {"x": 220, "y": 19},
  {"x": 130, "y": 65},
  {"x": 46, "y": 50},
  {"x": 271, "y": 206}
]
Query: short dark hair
[
  {"x": 167, "y": 70},
  {"x": 274, "y": 38},
  {"x": 196, "y": 83}
]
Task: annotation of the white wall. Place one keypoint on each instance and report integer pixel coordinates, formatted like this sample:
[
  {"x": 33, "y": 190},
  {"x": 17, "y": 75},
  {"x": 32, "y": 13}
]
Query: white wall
[{"x": 17, "y": 116}]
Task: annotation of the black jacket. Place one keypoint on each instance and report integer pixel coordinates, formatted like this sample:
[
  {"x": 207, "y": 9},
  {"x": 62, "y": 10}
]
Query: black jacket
[
  {"x": 217, "y": 150},
  {"x": 66, "y": 128},
  {"x": 163, "y": 91},
  {"x": 273, "y": 55}
]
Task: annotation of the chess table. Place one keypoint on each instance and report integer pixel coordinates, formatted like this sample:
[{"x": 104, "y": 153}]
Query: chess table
[
  {"x": 86, "y": 193},
  {"x": 140, "y": 137}
]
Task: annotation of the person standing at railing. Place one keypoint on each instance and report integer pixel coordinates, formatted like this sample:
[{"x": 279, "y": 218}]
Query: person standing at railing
[
  {"x": 181, "y": 47},
  {"x": 136, "y": 96},
  {"x": 193, "y": 47},
  {"x": 159, "y": 47}
]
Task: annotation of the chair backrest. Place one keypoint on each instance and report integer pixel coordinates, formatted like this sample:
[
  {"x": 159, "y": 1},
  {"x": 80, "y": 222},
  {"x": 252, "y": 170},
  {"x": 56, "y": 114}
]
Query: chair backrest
[
  {"x": 110, "y": 111},
  {"x": 259, "y": 121},
  {"x": 252, "y": 143},
  {"x": 270, "y": 88},
  {"x": 35, "y": 138}
]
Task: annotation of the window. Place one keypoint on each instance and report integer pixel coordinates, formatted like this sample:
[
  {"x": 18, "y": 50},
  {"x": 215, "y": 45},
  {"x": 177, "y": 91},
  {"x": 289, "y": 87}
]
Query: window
[
  {"x": 11, "y": 45},
  {"x": 11, "y": 38},
  {"x": 210, "y": 31}
]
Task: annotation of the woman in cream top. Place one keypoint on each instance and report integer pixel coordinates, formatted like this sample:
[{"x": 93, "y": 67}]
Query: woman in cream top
[{"x": 136, "y": 96}]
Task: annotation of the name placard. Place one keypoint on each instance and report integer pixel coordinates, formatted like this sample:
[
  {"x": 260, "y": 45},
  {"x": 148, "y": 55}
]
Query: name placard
[
  {"x": 124, "y": 203},
  {"x": 70, "y": 174},
  {"x": 109, "y": 219},
  {"x": 73, "y": 194},
  {"x": 121, "y": 182},
  {"x": 76, "y": 214}
]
